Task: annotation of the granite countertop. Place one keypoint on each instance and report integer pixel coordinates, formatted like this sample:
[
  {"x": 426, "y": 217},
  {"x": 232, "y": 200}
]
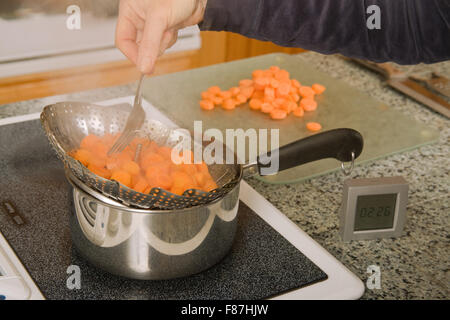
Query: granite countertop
[{"x": 414, "y": 266}]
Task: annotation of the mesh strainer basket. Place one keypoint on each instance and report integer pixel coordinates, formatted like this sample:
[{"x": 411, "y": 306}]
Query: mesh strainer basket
[{"x": 67, "y": 123}]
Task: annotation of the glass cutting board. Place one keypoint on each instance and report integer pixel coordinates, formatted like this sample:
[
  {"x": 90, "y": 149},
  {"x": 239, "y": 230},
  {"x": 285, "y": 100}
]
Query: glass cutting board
[{"x": 385, "y": 131}]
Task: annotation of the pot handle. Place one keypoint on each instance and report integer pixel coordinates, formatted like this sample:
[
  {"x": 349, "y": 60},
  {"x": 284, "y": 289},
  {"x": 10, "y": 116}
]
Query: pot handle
[{"x": 337, "y": 143}]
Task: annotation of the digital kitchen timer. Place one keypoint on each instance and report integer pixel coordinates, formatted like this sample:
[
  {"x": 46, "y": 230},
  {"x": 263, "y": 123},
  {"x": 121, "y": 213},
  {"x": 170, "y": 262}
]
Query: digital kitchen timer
[{"x": 373, "y": 208}]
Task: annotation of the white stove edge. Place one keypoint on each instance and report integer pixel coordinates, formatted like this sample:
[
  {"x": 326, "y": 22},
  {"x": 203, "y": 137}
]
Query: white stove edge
[{"x": 341, "y": 283}]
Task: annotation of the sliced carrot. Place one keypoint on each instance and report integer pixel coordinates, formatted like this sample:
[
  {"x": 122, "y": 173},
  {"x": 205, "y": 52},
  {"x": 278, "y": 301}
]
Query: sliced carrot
[
  {"x": 318, "y": 88},
  {"x": 177, "y": 190},
  {"x": 182, "y": 179},
  {"x": 207, "y": 104},
  {"x": 151, "y": 159},
  {"x": 240, "y": 99},
  {"x": 112, "y": 163},
  {"x": 296, "y": 83},
  {"x": 258, "y": 94},
  {"x": 234, "y": 91},
  {"x": 283, "y": 90},
  {"x": 202, "y": 167},
  {"x": 255, "y": 104},
  {"x": 141, "y": 185},
  {"x": 269, "y": 93},
  {"x": 165, "y": 152},
  {"x": 206, "y": 95},
  {"x": 298, "y": 112},
  {"x": 282, "y": 75},
  {"x": 245, "y": 83},
  {"x": 266, "y": 107},
  {"x": 214, "y": 89},
  {"x": 306, "y": 92},
  {"x": 261, "y": 83},
  {"x": 229, "y": 104},
  {"x": 295, "y": 97},
  {"x": 200, "y": 178},
  {"x": 247, "y": 91},
  {"x": 83, "y": 155},
  {"x": 162, "y": 180},
  {"x": 308, "y": 104},
  {"x": 313, "y": 126},
  {"x": 217, "y": 100},
  {"x": 89, "y": 141},
  {"x": 257, "y": 74},
  {"x": 278, "y": 114},
  {"x": 122, "y": 177},
  {"x": 100, "y": 171},
  {"x": 274, "y": 69},
  {"x": 274, "y": 83},
  {"x": 278, "y": 102},
  {"x": 225, "y": 94},
  {"x": 131, "y": 167},
  {"x": 190, "y": 169}
]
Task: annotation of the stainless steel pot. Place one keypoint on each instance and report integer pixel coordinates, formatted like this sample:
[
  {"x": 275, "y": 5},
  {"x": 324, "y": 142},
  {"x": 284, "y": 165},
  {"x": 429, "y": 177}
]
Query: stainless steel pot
[{"x": 164, "y": 244}]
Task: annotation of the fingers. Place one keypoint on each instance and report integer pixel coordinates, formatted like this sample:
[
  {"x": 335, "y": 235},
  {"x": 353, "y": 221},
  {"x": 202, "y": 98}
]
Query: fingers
[
  {"x": 168, "y": 40},
  {"x": 149, "y": 48},
  {"x": 126, "y": 38}
]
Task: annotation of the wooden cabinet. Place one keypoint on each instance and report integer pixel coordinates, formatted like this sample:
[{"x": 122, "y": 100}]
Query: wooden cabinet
[{"x": 217, "y": 47}]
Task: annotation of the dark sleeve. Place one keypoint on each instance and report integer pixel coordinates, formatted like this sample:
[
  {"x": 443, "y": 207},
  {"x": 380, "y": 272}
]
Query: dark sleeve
[{"x": 412, "y": 31}]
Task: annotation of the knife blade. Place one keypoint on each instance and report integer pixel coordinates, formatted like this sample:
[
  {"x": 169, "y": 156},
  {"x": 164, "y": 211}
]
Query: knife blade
[
  {"x": 400, "y": 81},
  {"x": 419, "y": 93}
]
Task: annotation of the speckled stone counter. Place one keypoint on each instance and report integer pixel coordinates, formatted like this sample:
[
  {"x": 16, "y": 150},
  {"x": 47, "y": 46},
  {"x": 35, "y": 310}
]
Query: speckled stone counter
[{"x": 415, "y": 266}]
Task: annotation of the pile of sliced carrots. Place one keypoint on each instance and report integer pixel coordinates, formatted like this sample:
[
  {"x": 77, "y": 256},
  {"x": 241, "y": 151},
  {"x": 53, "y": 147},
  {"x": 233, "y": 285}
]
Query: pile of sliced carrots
[
  {"x": 152, "y": 168},
  {"x": 270, "y": 91}
]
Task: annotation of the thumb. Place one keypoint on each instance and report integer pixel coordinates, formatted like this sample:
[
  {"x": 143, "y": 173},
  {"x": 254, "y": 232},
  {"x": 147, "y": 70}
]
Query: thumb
[{"x": 155, "y": 26}]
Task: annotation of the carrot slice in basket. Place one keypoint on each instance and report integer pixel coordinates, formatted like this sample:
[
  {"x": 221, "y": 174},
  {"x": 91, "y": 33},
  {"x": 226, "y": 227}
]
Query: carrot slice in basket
[
  {"x": 131, "y": 167},
  {"x": 83, "y": 155},
  {"x": 89, "y": 141},
  {"x": 122, "y": 176},
  {"x": 100, "y": 171},
  {"x": 141, "y": 185}
]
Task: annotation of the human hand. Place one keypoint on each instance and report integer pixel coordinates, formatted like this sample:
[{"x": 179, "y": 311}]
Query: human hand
[{"x": 146, "y": 28}]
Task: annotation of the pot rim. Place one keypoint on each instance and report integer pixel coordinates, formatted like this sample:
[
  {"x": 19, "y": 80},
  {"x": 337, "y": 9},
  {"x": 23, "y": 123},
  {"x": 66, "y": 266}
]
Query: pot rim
[{"x": 80, "y": 186}]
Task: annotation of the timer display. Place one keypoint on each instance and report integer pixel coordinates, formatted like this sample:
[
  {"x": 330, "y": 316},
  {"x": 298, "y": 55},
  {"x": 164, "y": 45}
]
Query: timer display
[{"x": 375, "y": 212}]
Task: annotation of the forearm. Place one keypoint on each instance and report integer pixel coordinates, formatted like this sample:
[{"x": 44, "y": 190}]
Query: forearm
[{"x": 412, "y": 31}]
